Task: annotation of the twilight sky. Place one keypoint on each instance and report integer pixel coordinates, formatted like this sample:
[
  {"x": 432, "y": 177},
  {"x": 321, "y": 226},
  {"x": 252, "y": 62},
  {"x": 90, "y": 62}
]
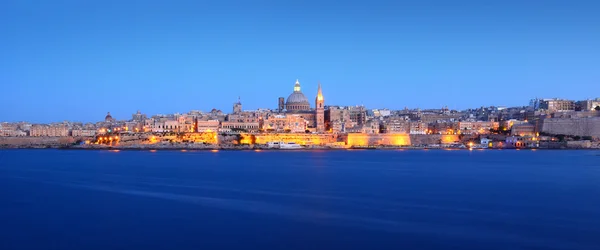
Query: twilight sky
[{"x": 76, "y": 60}]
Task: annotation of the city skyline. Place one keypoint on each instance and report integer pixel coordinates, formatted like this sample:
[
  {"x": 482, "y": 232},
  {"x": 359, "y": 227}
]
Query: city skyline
[{"x": 75, "y": 61}]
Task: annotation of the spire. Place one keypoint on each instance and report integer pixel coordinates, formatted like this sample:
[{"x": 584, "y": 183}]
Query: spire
[{"x": 319, "y": 93}]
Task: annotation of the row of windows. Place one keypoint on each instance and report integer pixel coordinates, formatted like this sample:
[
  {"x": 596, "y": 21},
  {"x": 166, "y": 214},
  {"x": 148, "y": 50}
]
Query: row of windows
[
  {"x": 298, "y": 107},
  {"x": 241, "y": 126}
]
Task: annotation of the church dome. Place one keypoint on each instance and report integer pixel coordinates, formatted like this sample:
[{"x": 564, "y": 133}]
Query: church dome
[
  {"x": 297, "y": 101},
  {"x": 297, "y": 97},
  {"x": 108, "y": 117}
]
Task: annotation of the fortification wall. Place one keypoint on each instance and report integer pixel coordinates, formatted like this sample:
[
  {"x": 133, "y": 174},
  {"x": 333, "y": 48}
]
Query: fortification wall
[
  {"x": 360, "y": 139},
  {"x": 35, "y": 141},
  {"x": 433, "y": 139},
  {"x": 572, "y": 126}
]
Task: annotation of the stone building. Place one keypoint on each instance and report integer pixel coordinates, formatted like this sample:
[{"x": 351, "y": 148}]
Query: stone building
[
  {"x": 285, "y": 123},
  {"x": 11, "y": 129},
  {"x": 523, "y": 130},
  {"x": 588, "y": 105},
  {"x": 358, "y": 115},
  {"x": 57, "y": 130},
  {"x": 557, "y": 105},
  {"x": 108, "y": 118},
  {"x": 81, "y": 132},
  {"x": 206, "y": 126},
  {"x": 396, "y": 125},
  {"x": 418, "y": 128},
  {"x": 297, "y": 104},
  {"x": 138, "y": 117},
  {"x": 477, "y": 127},
  {"x": 337, "y": 119}
]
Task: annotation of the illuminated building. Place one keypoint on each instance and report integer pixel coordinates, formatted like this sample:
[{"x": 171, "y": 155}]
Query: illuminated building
[
  {"x": 204, "y": 126},
  {"x": 298, "y": 104},
  {"x": 296, "y": 101},
  {"x": 418, "y": 128},
  {"x": 245, "y": 126},
  {"x": 320, "y": 110},
  {"x": 523, "y": 130},
  {"x": 396, "y": 125},
  {"x": 477, "y": 127},
  {"x": 80, "y": 132},
  {"x": 247, "y": 121},
  {"x": 285, "y": 123}
]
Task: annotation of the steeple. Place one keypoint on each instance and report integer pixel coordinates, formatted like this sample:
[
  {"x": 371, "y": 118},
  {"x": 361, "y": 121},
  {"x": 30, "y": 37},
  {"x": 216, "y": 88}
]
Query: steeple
[
  {"x": 319, "y": 93},
  {"x": 320, "y": 110}
]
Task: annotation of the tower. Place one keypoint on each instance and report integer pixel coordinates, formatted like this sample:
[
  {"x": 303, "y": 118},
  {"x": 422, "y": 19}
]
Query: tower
[
  {"x": 280, "y": 104},
  {"x": 237, "y": 107},
  {"x": 320, "y": 110}
]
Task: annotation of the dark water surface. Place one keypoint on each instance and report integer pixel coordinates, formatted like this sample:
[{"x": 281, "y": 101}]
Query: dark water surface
[{"x": 53, "y": 199}]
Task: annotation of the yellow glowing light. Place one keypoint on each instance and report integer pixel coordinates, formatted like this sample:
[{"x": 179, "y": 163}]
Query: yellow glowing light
[
  {"x": 214, "y": 150},
  {"x": 153, "y": 150},
  {"x": 116, "y": 137}
]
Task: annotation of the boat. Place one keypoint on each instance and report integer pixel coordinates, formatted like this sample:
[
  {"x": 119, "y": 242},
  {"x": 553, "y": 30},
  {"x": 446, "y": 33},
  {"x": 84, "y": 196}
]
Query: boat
[
  {"x": 289, "y": 145},
  {"x": 283, "y": 145},
  {"x": 363, "y": 147}
]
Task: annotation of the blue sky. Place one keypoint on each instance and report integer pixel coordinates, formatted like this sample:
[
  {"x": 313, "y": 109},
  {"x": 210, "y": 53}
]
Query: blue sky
[{"x": 77, "y": 60}]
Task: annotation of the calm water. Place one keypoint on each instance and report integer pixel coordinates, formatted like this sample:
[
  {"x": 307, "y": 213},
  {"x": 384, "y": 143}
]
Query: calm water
[{"x": 52, "y": 199}]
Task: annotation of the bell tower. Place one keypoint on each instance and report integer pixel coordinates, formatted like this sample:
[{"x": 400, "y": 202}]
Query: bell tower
[{"x": 320, "y": 110}]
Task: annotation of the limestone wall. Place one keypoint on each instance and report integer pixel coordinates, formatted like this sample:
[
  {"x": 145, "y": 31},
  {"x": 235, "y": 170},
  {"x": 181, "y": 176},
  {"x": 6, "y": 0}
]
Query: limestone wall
[
  {"x": 299, "y": 138},
  {"x": 433, "y": 139},
  {"x": 361, "y": 139},
  {"x": 572, "y": 126},
  {"x": 10, "y": 142}
]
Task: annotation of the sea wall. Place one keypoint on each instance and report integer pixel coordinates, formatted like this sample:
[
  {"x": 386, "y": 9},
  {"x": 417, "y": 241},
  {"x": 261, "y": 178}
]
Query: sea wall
[
  {"x": 589, "y": 126},
  {"x": 433, "y": 139},
  {"x": 361, "y": 139},
  {"x": 35, "y": 142},
  {"x": 299, "y": 138}
]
